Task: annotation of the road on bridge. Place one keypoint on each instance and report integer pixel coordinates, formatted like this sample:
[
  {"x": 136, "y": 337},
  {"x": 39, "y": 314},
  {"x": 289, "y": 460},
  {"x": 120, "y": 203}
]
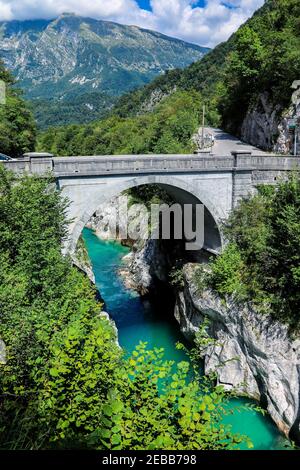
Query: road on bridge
[{"x": 226, "y": 143}]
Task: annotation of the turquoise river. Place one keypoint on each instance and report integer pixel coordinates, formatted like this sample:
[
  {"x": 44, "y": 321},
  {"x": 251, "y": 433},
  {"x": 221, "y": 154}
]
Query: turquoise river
[{"x": 139, "y": 320}]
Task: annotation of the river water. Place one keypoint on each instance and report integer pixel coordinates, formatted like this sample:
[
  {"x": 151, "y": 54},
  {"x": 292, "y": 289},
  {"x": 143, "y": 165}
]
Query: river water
[{"x": 139, "y": 320}]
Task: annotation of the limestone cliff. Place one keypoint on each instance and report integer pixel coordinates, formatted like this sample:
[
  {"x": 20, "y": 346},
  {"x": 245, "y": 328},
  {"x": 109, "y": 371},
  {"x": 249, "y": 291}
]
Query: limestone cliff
[
  {"x": 253, "y": 353},
  {"x": 147, "y": 260},
  {"x": 266, "y": 124},
  {"x": 260, "y": 126},
  {"x": 81, "y": 260}
]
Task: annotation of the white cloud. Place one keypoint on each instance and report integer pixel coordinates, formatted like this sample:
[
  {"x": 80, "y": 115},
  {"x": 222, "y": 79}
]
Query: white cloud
[{"x": 207, "y": 25}]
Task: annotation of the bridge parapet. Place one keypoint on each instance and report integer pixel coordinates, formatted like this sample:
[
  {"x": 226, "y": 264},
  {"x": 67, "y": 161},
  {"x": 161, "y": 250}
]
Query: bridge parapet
[
  {"x": 40, "y": 164},
  {"x": 219, "y": 182},
  {"x": 101, "y": 165},
  {"x": 32, "y": 164},
  {"x": 268, "y": 162}
]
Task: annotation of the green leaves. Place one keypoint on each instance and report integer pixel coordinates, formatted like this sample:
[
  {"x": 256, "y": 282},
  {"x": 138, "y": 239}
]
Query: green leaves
[
  {"x": 54, "y": 372},
  {"x": 174, "y": 413},
  {"x": 168, "y": 129},
  {"x": 61, "y": 354},
  {"x": 227, "y": 273},
  {"x": 17, "y": 126},
  {"x": 261, "y": 264}
]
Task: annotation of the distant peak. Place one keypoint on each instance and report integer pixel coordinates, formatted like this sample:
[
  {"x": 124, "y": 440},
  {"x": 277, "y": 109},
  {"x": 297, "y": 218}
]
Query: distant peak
[
  {"x": 66, "y": 17},
  {"x": 66, "y": 13}
]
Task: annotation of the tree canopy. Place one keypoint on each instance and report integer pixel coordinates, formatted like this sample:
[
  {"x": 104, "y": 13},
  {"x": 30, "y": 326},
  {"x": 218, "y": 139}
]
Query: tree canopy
[
  {"x": 168, "y": 129},
  {"x": 17, "y": 125},
  {"x": 262, "y": 261}
]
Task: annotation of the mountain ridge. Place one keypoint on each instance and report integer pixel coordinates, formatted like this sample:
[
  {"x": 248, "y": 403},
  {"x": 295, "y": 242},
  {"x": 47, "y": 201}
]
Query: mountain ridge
[
  {"x": 69, "y": 56},
  {"x": 245, "y": 84}
]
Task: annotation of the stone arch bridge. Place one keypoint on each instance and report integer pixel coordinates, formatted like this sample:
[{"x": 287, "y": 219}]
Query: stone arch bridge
[{"x": 217, "y": 182}]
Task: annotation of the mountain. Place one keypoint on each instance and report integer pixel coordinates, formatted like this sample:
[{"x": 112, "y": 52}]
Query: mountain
[
  {"x": 69, "y": 56},
  {"x": 245, "y": 82}
]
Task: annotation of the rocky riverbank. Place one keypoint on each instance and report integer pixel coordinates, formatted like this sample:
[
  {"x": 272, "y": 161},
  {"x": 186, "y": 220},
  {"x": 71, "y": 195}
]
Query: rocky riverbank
[
  {"x": 253, "y": 354},
  {"x": 147, "y": 260}
]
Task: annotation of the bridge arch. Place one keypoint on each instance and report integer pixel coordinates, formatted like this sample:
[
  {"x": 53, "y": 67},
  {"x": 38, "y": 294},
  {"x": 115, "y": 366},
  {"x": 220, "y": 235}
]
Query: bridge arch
[{"x": 181, "y": 191}]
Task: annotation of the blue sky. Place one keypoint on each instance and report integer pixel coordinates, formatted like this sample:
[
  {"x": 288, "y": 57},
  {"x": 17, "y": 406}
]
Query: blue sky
[
  {"x": 145, "y": 4},
  {"x": 203, "y": 22}
]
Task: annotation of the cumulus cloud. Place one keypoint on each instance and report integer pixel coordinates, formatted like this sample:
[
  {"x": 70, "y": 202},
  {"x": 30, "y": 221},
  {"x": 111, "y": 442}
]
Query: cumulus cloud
[{"x": 206, "y": 25}]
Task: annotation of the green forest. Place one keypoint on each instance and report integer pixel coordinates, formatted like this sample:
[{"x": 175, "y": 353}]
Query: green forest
[{"x": 168, "y": 129}]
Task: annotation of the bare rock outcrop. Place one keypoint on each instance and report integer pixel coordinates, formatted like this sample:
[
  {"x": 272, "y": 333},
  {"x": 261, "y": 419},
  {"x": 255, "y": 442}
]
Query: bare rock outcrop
[
  {"x": 260, "y": 126},
  {"x": 267, "y": 125},
  {"x": 253, "y": 353}
]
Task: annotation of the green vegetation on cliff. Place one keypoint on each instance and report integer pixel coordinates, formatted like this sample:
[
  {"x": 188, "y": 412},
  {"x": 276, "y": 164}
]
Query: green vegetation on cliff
[
  {"x": 261, "y": 264},
  {"x": 65, "y": 382},
  {"x": 17, "y": 126},
  {"x": 168, "y": 129}
]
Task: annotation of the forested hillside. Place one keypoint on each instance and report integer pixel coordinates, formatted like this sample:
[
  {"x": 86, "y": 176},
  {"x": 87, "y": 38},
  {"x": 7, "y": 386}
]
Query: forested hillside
[
  {"x": 17, "y": 126},
  {"x": 168, "y": 129},
  {"x": 81, "y": 109},
  {"x": 261, "y": 58}
]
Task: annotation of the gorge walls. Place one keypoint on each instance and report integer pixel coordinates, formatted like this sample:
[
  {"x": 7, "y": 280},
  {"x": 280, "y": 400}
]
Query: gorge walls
[
  {"x": 252, "y": 353},
  {"x": 267, "y": 125}
]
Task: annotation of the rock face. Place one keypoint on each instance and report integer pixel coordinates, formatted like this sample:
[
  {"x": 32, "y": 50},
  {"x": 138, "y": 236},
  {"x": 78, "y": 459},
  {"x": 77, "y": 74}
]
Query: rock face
[
  {"x": 81, "y": 260},
  {"x": 146, "y": 261},
  {"x": 286, "y": 141},
  {"x": 253, "y": 353},
  {"x": 260, "y": 126},
  {"x": 266, "y": 126},
  {"x": 104, "y": 220}
]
